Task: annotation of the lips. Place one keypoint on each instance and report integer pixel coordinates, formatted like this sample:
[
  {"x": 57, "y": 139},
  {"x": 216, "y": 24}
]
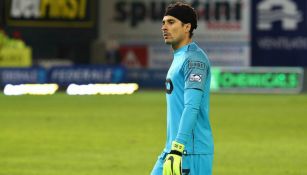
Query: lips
[{"x": 166, "y": 35}]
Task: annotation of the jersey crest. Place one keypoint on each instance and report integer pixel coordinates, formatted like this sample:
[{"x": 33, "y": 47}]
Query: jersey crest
[{"x": 169, "y": 86}]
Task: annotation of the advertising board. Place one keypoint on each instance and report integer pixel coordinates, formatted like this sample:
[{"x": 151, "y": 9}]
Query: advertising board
[
  {"x": 22, "y": 75},
  {"x": 223, "y": 29},
  {"x": 279, "y": 33},
  {"x": 66, "y": 75},
  {"x": 47, "y": 13}
]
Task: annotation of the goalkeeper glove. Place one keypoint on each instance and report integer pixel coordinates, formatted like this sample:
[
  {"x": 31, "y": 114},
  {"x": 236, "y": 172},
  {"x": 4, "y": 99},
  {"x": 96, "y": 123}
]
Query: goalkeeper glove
[{"x": 173, "y": 161}]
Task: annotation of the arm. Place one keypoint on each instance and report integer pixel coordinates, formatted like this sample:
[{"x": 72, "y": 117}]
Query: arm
[
  {"x": 195, "y": 75},
  {"x": 192, "y": 100}
]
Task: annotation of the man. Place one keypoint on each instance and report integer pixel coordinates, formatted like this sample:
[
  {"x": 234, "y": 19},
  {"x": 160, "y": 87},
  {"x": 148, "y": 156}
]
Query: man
[{"x": 189, "y": 143}]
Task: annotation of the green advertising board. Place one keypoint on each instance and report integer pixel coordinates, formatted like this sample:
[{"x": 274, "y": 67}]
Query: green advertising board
[{"x": 257, "y": 79}]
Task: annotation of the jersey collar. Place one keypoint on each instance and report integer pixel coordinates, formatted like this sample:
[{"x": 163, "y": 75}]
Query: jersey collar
[{"x": 183, "y": 48}]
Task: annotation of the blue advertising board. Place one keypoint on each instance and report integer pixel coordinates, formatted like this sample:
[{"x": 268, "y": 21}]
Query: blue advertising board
[
  {"x": 66, "y": 75},
  {"x": 22, "y": 75},
  {"x": 279, "y": 33}
]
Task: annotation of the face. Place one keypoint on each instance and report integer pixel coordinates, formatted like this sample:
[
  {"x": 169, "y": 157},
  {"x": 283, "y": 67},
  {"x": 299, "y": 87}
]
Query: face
[{"x": 174, "y": 31}]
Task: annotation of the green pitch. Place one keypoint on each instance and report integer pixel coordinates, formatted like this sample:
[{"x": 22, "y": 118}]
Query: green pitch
[{"x": 119, "y": 135}]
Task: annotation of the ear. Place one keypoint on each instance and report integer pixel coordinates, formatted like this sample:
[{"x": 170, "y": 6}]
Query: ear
[{"x": 187, "y": 27}]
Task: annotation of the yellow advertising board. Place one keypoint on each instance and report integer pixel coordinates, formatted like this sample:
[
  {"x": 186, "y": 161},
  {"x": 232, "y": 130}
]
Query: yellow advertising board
[{"x": 51, "y": 13}]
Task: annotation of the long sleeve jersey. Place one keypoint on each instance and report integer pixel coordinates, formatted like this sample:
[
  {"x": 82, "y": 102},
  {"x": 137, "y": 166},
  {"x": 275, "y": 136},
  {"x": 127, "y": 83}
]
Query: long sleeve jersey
[{"x": 187, "y": 86}]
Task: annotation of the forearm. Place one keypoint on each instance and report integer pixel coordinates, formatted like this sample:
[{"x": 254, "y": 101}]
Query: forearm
[{"x": 189, "y": 116}]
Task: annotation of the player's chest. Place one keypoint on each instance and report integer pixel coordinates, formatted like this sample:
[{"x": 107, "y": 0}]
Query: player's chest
[{"x": 175, "y": 70}]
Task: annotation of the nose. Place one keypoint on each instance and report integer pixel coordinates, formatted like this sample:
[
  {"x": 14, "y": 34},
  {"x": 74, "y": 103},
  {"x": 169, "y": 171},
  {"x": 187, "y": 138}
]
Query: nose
[{"x": 163, "y": 27}]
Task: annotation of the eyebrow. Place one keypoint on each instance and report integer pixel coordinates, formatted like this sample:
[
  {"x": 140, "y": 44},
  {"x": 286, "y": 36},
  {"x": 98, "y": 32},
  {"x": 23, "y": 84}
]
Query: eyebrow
[{"x": 168, "y": 20}]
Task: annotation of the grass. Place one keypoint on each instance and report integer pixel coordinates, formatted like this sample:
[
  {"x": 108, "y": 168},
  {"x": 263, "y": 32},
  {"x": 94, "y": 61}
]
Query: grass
[{"x": 117, "y": 135}]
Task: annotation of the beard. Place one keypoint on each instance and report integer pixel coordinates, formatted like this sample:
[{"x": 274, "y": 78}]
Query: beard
[{"x": 168, "y": 42}]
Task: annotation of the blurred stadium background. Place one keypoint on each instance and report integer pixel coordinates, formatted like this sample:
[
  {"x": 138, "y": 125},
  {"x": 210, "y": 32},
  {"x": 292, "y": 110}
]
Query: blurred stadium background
[{"x": 63, "y": 61}]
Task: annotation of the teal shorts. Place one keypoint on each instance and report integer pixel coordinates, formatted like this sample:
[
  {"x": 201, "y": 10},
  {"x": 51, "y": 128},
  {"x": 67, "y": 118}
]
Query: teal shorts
[{"x": 192, "y": 164}]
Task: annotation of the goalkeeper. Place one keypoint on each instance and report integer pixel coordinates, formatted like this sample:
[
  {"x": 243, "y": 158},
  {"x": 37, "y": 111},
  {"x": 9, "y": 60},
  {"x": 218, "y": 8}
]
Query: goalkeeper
[{"x": 189, "y": 142}]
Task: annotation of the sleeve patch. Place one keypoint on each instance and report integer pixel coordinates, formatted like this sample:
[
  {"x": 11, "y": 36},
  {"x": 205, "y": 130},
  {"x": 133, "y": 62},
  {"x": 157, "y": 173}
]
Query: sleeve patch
[
  {"x": 196, "y": 65},
  {"x": 195, "y": 78}
]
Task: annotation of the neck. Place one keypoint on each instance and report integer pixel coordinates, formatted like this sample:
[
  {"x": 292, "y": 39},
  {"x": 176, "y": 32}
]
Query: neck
[{"x": 182, "y": 43}]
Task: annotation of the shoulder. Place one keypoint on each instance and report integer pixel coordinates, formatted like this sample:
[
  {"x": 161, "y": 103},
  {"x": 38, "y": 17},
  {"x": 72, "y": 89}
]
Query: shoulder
[
  {"x": 195, "y": 53},
  {"x": 195, "y": 57}
]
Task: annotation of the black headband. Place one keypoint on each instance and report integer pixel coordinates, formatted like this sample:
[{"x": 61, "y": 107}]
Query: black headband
[{"x": 184, "y": 14}]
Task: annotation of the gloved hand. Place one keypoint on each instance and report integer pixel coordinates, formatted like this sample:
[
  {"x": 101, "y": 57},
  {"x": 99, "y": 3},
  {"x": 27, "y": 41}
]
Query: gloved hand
[{"x": 173, "y": 161}]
